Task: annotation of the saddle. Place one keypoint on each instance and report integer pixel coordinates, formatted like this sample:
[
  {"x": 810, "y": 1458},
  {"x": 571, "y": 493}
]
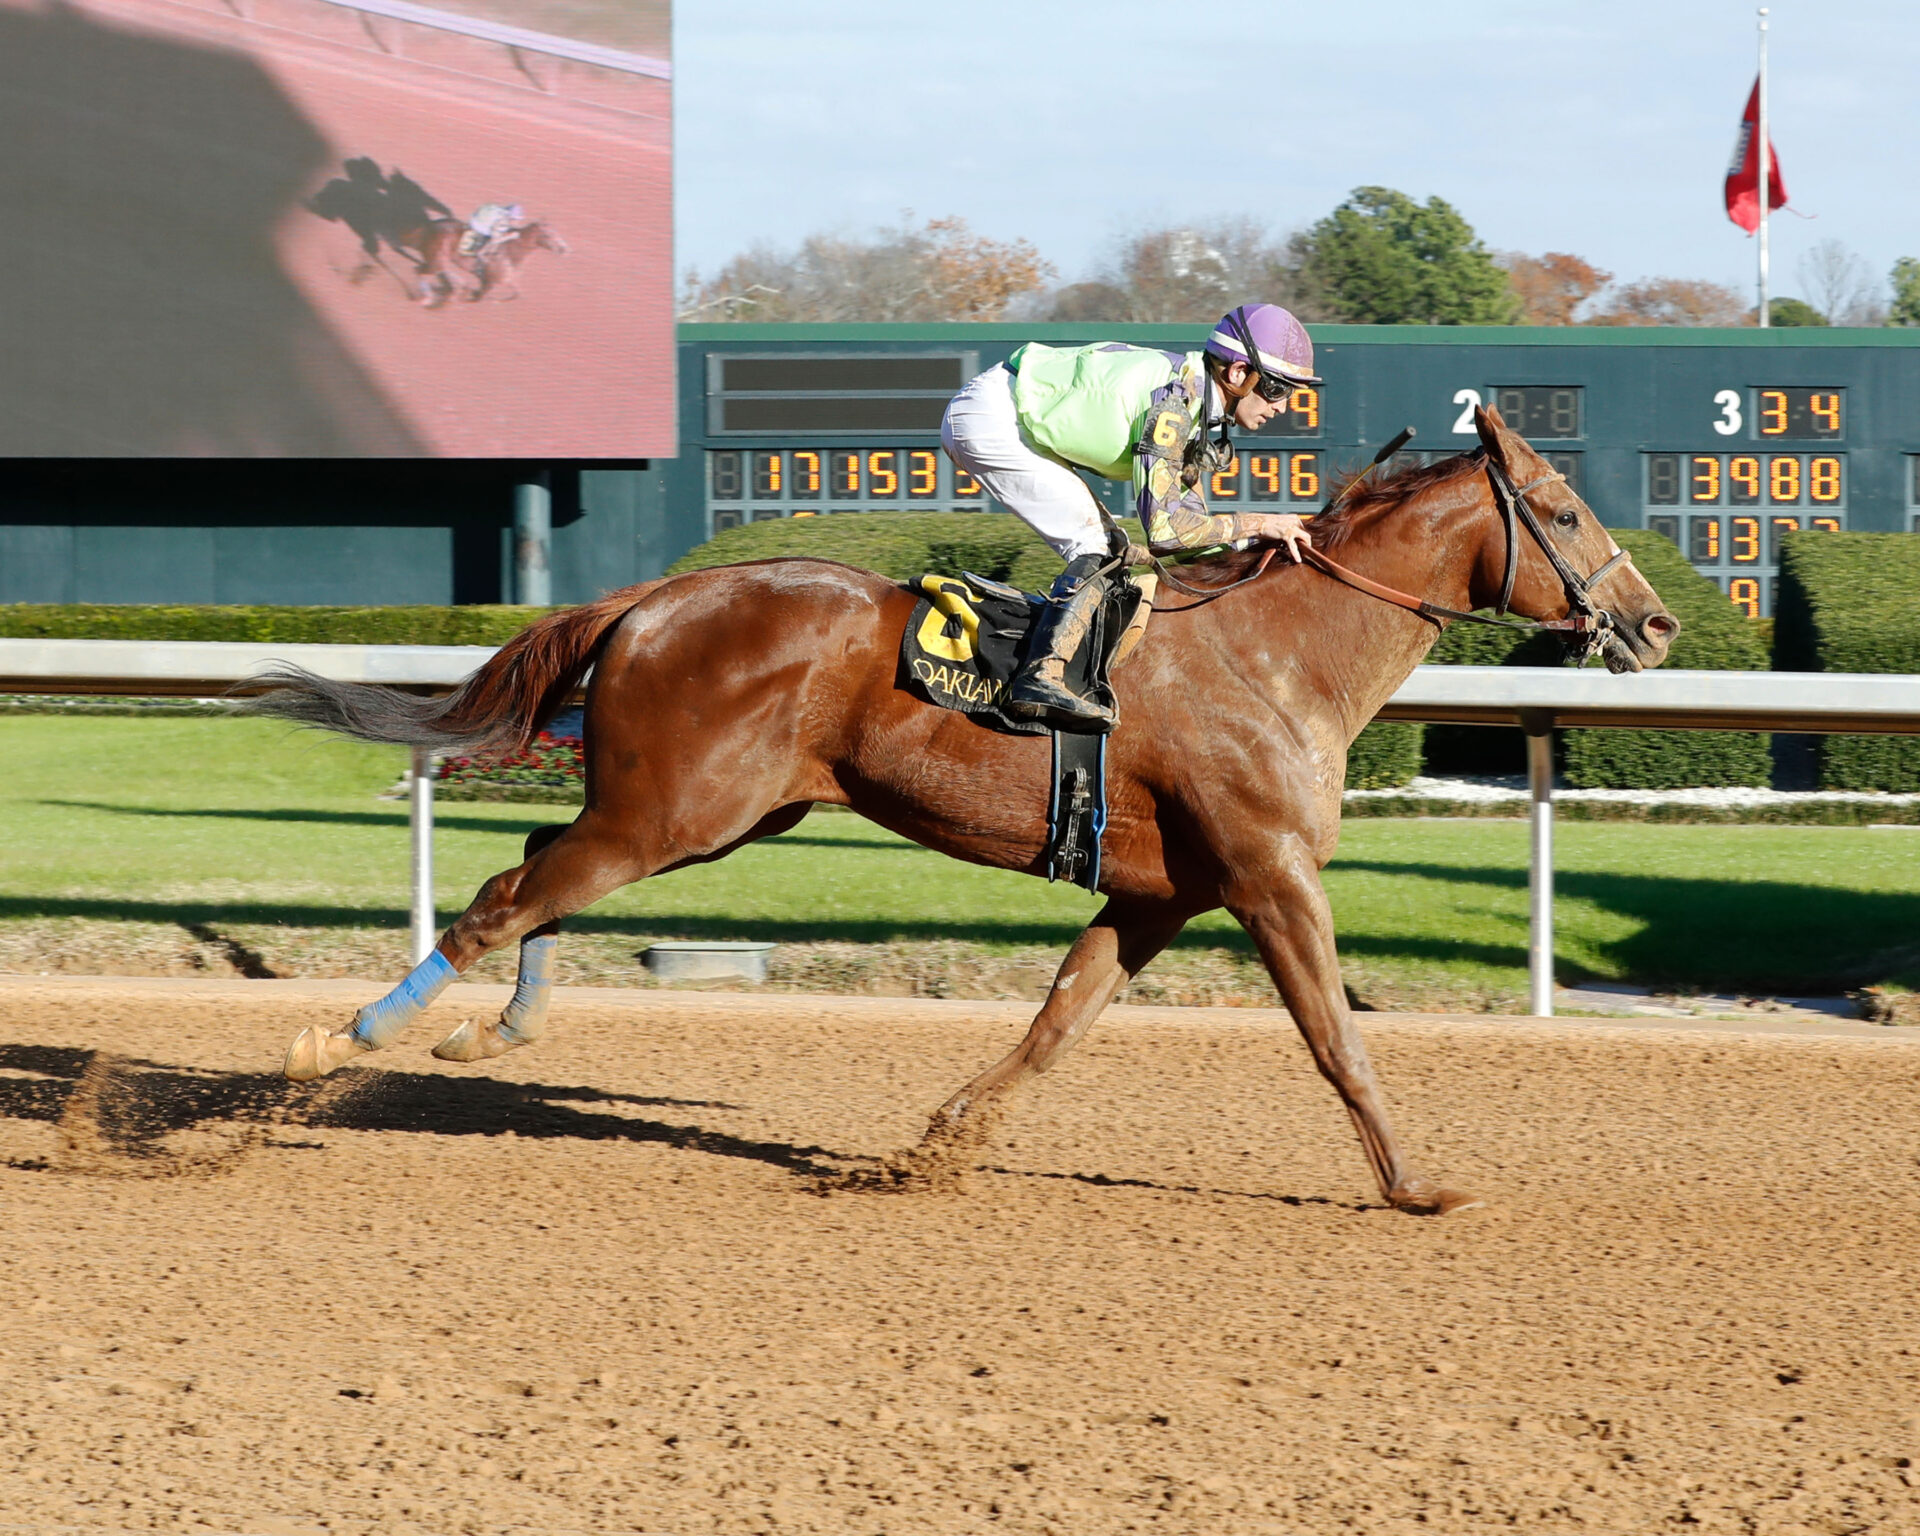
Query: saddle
[
  {"x": 966, "y": 639},
  {"x": 968, "y": 636}
]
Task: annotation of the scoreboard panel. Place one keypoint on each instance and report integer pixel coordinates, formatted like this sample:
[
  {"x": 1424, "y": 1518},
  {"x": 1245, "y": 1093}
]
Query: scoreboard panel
[{"x": 1723, "y": 441}]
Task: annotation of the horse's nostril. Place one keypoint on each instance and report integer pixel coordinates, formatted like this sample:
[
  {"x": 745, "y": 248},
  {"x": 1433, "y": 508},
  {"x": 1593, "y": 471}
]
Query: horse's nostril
[{"x": 1660, "y": 626}]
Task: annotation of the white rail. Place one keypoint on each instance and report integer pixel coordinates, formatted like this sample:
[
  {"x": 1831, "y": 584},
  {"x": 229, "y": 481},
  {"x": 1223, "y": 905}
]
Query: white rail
[
  {"x": 513, "y": 37},
  {"x": 1536, "y": 699}
]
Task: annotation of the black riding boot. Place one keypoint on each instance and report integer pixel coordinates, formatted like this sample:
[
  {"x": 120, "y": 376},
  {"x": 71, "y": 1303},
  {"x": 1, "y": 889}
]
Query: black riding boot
[{"x": 1039, "y": 689}]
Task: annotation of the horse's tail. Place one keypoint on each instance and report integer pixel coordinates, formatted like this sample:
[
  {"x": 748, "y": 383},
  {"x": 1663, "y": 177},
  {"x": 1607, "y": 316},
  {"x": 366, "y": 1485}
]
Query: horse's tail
[{"x": 501, "y": 706}]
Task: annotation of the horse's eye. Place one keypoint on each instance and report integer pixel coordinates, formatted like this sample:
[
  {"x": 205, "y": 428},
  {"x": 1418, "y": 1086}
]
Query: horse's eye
[{"x": 1566, "y": 520}]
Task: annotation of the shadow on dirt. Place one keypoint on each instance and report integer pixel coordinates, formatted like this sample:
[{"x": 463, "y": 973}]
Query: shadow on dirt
[
  {"x": 121, "y": 1116},
  {"x": 135, "y": 1110}
]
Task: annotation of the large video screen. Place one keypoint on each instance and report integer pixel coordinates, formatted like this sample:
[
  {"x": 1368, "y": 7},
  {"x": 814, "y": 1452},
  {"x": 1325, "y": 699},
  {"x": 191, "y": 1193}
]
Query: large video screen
[{"x": 336, "y": 229}]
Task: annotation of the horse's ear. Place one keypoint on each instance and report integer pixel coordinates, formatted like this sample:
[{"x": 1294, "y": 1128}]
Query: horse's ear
[{"x": 1487, "y": 422}]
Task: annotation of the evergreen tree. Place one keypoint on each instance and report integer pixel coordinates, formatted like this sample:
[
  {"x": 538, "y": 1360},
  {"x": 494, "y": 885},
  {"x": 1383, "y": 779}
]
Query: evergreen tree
[
  {"x": 1380, "y": 258},
  {"x": 1906, "y": 292},
  {"x": 1794, "y": 312}
]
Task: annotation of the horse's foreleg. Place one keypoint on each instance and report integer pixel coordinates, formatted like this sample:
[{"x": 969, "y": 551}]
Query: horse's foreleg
[
  {"x": 570, "y": 870},
  {"x": 1287, "y": 915},
  {"x": 1115, "y": 948}
]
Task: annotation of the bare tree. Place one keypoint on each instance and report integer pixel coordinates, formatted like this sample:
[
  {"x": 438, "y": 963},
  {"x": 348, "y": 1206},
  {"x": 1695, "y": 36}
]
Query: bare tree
[
  {"x": 1674, "y": 301},
  {"x": 941, "y": 271},
  {"x": 1551, "y": 288},
  {"x": 1180, "y": 274},
  {"x": 1840, "y": 284}
]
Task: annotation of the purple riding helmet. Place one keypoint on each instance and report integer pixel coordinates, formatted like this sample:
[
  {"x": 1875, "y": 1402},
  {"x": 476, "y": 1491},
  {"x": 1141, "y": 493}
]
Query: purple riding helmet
[{"x": 1269, "y": 338}]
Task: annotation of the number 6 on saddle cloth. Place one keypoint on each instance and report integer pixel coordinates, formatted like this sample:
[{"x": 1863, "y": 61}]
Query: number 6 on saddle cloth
[{"x": 965, "y": 641}]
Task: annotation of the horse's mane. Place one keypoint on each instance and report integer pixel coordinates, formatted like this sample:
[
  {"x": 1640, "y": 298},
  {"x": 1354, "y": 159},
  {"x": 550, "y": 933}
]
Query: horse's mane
[{"x": 1332, "y": 529}]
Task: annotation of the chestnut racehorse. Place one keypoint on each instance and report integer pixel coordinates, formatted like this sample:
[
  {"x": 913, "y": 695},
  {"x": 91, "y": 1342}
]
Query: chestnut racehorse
[
  {"x": 443, "y": 269},
  {"x": 724, "y": 703}
]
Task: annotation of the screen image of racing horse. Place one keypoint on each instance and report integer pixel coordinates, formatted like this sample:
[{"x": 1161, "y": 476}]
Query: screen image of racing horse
[{"x": 337, "y": 229}]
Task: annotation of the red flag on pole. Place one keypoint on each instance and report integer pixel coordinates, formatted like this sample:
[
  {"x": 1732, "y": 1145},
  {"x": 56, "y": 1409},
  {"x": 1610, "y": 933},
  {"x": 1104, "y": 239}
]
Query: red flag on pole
[{"x": 1743, "y": 175}]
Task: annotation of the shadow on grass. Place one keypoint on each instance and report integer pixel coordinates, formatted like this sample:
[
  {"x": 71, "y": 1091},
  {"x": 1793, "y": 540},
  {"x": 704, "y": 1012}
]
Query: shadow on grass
[
  {"x": 1699, "y": 931},
  {"x": 442, "y": 819},
  {"x": 653, "y": 925}
]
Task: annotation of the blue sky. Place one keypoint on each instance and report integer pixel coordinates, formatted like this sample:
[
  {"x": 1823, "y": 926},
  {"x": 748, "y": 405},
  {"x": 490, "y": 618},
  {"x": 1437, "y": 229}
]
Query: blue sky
[{"x": 1602, "y": 128}]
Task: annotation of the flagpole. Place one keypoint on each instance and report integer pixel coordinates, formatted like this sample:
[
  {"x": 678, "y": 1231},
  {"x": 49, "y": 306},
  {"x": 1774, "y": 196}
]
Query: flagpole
[{"x": 1766, "y": 170}]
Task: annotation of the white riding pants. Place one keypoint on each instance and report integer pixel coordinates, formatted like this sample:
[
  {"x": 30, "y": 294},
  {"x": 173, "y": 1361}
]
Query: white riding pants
[{"x": 981, "y": 433}]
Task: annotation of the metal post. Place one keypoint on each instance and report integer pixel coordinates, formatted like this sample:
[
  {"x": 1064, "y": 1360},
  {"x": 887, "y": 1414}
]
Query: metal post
[
  {"x": 1539, "y": 727},
  {"x": 1766, "y": 170},
  {"x": 533, "y": 540},
  {"x": 420, "y": 819}
]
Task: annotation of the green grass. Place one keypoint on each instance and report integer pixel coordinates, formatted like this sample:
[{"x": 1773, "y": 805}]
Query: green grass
[{"x": 248, "y": 825}]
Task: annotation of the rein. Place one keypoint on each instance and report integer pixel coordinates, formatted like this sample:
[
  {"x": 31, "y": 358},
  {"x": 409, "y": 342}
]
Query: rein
[
  {"x": 1208, "y": 594},
  {"x": 1589, "y": 620}
]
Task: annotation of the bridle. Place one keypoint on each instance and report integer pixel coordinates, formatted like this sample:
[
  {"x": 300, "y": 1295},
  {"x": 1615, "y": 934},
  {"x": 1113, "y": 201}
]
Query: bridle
[{"x": 1586, "y": 625}]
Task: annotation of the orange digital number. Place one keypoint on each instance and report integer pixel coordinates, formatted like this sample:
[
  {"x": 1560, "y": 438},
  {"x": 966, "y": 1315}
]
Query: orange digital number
[
  {"x": 1706, "y": 478},
  {"x": 1303, "y": 477},
  {"x": 923, "y": 473},
  {"x": 1744, "y": 592},
  {"x": 1744, "y": 475},
  {"x": 1265, "y": 469},
  {"x": 806, "y": 474},
  {"x": 1225, "y": 483},
  {"x": 883, "y": 479},
  {"x": 766, "y": 474},
  {"x": 1826, "y": 410},
  {"x": 1778, "y": 527},
  {"x": 963, "y": 483},
  {"x": 1823, "y": 478},
  {"x": 1305, "y": 406},
  {"x": 1743, "y": 540},
  {"x": 1826, "y": 524},
  {"x": 1783, "y": 479},
  {"x": 1773, "y": 413},
  {"x": 846, "y": 474}
]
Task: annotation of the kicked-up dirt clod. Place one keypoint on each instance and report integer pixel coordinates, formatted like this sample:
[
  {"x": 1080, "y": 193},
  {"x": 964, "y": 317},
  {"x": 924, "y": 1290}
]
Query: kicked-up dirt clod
[{"x": 595, "y": 1285}]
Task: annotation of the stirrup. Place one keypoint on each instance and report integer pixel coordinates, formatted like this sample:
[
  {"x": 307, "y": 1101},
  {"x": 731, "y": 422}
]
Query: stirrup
[{"x": 1040, "y": 698}]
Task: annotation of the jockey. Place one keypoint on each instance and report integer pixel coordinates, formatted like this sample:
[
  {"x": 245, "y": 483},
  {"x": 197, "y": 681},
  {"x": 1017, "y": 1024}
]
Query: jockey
[
  {"x": 492, "y": 226},
  {"x": 1159, "y": 418}
]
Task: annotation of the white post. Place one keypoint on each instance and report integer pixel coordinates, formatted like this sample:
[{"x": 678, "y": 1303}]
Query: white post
[
  {"x": 1540, "y": 875},
  {"x": 420, "y": 819},
  {"x": 1766, "y": 170},
  {"x": 533, "y": 540}
]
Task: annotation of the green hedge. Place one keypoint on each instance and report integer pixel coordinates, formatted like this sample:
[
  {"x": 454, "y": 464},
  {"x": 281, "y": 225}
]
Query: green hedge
[
  {"x": 1850, "y": 602},
  {"x": 321, "y": 626},
  {"x": 907, "y": 545},
  {"x": 901, "y": 545},
  {"x": 1714, "y": 636}
]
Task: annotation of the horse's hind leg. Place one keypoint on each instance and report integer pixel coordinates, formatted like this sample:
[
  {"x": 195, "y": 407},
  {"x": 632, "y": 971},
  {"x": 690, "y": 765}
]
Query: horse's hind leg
[
  {"x": 590, "y": 859},
  {"x": 566, "y": 872},
  {"x": 524, "y": 1019},
  {"x": 1116, "y": 947}
]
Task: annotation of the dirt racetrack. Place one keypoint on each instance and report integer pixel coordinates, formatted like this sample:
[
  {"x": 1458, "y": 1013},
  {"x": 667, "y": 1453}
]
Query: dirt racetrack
[{"x": 593, "y": 1287}]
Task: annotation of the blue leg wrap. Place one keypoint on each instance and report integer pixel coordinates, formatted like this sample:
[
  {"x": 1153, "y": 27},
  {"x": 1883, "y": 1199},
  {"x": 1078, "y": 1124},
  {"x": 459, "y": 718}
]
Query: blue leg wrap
[
  {"x": 526, "y": 1016},
  {"x": 377, "y": 1024}
]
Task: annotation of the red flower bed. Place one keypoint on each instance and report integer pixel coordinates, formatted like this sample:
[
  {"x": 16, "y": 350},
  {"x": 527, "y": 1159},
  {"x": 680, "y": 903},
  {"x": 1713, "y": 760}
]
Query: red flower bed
[{"x": 551, "y": 762}]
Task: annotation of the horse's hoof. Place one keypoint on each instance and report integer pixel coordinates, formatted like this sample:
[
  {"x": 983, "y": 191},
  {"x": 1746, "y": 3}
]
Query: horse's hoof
[
  {"x": 315, "y": 1052},
  {"x": 1424, "y": 1199},
  {"x": 474, "y": 1041}
]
